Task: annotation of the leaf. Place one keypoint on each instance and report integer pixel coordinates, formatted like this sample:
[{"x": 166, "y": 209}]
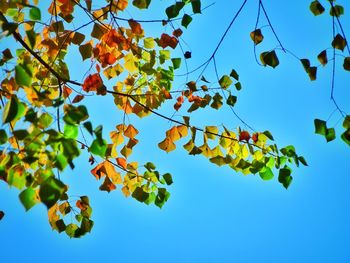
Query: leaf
[
  {"x": 50, "y": 191},
  {"x": 162, "y": 196},
  {"x": 306, "y": 63},
  {"x": 121, "y": 162},
  {"x": 231, "y": 100},
  {"x": 336, "y": 10},
  {"x": 225, "y": 82},
  {"x": 346, "y": 122},
  {"x": 322, "y": 57},
  {"x": 346, "y": 64},
  {"x": 131, "y": 131},
  {"x": 34, "y": 13},
  {"x": 234, "y": 74},
  {"x": 284, "y": 177},
  {"x": 107, "y": 185},
  {"x": 167, "y": 145},
  {"x": 2, "y": 214},
  {"x": 269, "y": 58},
  {"x": 186, "y": 20},
  {"x": 71, "y": 230},
  {"x": 266, "y": 174},
  {"x": 312, "y": 72},
  {"x": 28, "y": 198},
  {"x": 23, "y": 75},
  {"x": 78, "y": 38},
  {"x": 86, "y": 50},
  {"x": 3, "y": 137},
  {"x": 141, "y": 4},
  {"x": 176, "y": 62},
  {"x": 320, "y": 127},
  {"x": 98, "y": 147},
  {"x": 173, "y": 10},
  {"x": 14, "y": 110},
  {"x": 196, "y": 6},
  {"x": 346, "y": 137},
  {"x": 256, "y": 36},
  {"x": 140, "y": 195},
  {"x": 70, "y": 131},
  {"x": 238, "y": 86},
  {"x": 168, "y": 178},
  {"x": 316, "y": 8},
  {"x": 149, "y": 42},
  {"x": 339, "y": 42}
]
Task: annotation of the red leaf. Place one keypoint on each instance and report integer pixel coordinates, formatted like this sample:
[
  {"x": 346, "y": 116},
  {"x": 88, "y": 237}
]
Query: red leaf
[
  {"x": 92, "y": 82},
  {"x": 78, "y": 98},
  {"x": 167, "y": 41},
  {"x": 244, "y": 136}
]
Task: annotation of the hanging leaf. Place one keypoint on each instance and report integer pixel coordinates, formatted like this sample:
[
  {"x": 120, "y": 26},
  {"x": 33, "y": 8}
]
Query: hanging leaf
[
  {"x": 269, "y": 58},
  {"x": 34, "y": 13},
  {"x": 285, "y": 177},
  {"x": 196, "y": 6},
  {"x": 225, "y": 82},
  {"x": 28, "y": 198},
  {"x": 23, "y": 75},
  {"x": 256, "y": 36},
  {"x": 186, "y": 20},
  {"x": 50, "y": 191},
  {"x": 336, "y": 10},
  {"x": 339, "y": 42},
  {"x": 141, "y": 4},
  {"x": 312, "y": 72},
  {"x": 316, "y": 8},
  {"x": 266, "y": 174},
  {"x": 346, "y": 64},
  {"x": 322, "y": 57}
]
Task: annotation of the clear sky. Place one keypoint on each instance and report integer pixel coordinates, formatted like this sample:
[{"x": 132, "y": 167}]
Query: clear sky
[{"x": 215, "y": 214}]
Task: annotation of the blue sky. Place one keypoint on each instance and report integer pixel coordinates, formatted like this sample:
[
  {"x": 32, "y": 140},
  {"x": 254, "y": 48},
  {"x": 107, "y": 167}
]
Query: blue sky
[{"x": 215, "y": 214}]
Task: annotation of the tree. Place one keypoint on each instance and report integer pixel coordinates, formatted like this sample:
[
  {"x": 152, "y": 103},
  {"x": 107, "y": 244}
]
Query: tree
[{"x": 46, "y": 120}]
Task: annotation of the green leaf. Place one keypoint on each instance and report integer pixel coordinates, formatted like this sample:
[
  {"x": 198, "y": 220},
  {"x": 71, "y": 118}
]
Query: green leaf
[
  {"x": 3, "y": 136},
  {"x": 99, "y": 147},
  {"x": 231, "y": 100},
  {"x": 75, "y": 115},
  {"x": 141, "y": 4},
  {"x": 23, "y": 75},
  {"x": 70, "y": 131},
  {"x": 316, "y": 8},
  {"x": 88, "y": 126},
  {"x": 140, "y": 195},
  {"x": 320, "y": 127},
  {"x": 346, "y": 136},
  {"x": 266, "y": 174},
  {"x": 176, "y": 62},
  {"x": 44, "y": 120},
  {"x": 34, "y": 13},
  {"x": 330, "y": 134},
  {"x": 14, "y": 110},
  {"x": 302, "y": 160},
  {"x": 269, "y": 58},
  {"x": 174, "y": 10},
  {"x": 225, "y": 82},
  {"x": 346, "y": 64},
  {"x": 51, "y": 191},
  {"x": 285, "y": 177},
  {"x": 238, "y": 86},
  {"x": 149, "y": 42},
  {"x": 168, "y": 178},
  {"x": 28, "y": 198},
  {"x": 339, "y": 42},
  {"x": 71, "y": 230},
  {"x": 337, "y": 11},
  {"x": 346, "y": 122},
  {"x": 31, "y": 36},
  {"x": 186, "y": 20},
  {"x": 162, "y": 196},
  {"x": 196, "y": 6},
  {"x": 268, "y": 135}
]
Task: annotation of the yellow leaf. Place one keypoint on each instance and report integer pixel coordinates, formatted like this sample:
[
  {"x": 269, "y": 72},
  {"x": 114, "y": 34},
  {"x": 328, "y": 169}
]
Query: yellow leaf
[
  {"x": 211, "y": 131},
  {"x": 183, "y": 130},
  {"x": 173, "y": 134},
  {"x": 112, "y": 173},
  {"x": 116, "y": 137},
  {"x": 130, "y": 62},
  {"x": 126, "y": 191}
]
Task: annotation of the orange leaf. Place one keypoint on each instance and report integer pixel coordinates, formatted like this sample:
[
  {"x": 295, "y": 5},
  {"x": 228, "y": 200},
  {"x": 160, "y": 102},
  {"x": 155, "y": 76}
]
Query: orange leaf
[
  {"x": 107, "y": 59},
  {"x": 66, "y": 91},
  {"x": 78, "y": 98},
  {"x": 121, "y": 162},
  {"x": 177, "y": 32},
  {"x": 112, "y": 173},
  {"x": 122, "y": 4},
  {"x": 92, "y": 82},
  {"x": 173, "y": 134},
  {"x": 107, "y": 185},
  {"x": 131, "y": 131},
  {"x": 99, "y": 171},
  {"x": 135, "y": 27},
  {"x": 167, "y": 145}
]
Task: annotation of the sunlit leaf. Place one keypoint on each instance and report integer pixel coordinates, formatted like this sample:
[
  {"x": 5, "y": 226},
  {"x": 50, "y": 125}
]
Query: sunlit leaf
[
  {"x": 225, "y": 82},
  {"x": 35, "y": 13}
]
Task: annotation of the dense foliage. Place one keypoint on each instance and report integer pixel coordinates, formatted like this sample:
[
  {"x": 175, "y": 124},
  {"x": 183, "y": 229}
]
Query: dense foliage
[{"x": 45, "y": 118}]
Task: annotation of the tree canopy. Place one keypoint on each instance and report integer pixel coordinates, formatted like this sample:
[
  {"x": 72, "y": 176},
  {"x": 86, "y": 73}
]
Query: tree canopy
[{"x": 45, "y": 114}]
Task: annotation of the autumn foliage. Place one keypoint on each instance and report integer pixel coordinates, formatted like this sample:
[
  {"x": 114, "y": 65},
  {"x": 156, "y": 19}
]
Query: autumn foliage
[{"x": 47, "y": 126}]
